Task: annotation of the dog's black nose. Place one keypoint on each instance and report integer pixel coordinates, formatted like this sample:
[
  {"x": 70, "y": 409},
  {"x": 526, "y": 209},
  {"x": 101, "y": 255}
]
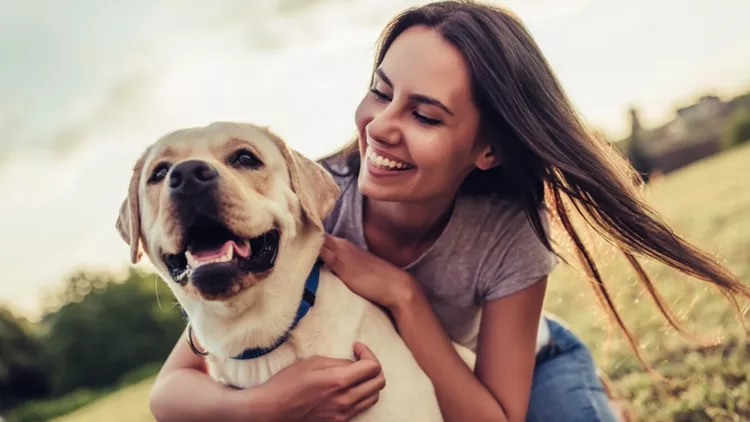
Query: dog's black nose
[{"x": 191, "y": 177}]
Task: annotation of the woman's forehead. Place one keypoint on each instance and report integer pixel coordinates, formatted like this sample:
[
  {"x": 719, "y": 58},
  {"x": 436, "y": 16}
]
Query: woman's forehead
[{"x": 421, "y": 61}]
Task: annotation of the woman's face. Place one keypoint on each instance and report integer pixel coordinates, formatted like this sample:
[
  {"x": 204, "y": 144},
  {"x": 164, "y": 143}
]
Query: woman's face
[{"x": 418, "y": 124}]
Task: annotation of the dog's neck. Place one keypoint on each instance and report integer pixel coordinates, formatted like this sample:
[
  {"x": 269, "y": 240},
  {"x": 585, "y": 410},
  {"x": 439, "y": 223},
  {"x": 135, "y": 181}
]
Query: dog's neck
[{"x": 267, "y": 309}]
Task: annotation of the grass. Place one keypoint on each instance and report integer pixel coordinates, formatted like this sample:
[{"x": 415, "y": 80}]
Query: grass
[
  {"x": 129, "y": 404},
  {"x": 132, "y": 388},
  {"x": 708, "y": 202}
]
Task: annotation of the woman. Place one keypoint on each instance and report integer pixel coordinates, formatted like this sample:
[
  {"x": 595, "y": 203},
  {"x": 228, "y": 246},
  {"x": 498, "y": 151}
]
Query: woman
[{"x": 443, "y": 221}]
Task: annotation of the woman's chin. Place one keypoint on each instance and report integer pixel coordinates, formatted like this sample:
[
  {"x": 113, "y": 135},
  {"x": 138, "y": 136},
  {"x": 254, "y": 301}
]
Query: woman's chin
[{"x": 377, "y": 190}]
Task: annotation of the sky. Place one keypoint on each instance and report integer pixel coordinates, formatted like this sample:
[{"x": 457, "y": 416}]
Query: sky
[{"x": 86, "y": 85}]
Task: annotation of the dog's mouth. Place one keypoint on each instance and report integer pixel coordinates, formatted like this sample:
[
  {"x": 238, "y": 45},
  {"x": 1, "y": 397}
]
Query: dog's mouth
[{"x": 212, "y": 248}]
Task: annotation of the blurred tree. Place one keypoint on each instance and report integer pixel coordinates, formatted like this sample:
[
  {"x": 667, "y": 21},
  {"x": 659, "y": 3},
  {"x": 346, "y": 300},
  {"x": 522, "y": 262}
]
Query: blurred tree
[
  {"x": 738, "y": 130},
  {"x": 636, "y": 151},
  {"x": 106, "y": 327},
  {"x": 639, "y": 159},
  {"x": 23, "y": 369}
]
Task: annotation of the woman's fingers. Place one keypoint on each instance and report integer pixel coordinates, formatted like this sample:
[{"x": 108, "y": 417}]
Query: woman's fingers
[
  {"x": 324, "y": 362},
  {"x": 356, "y": 373},
  {"x": 362, "y": 405},
  {"x": 329, "y": 257},
  {"x": 363, "y": 352},
  {"x": 361, "y": 396},
  {"x": 365, "y": 389},
  {"x": 330, "y": 243},
  {"x": 365, "y": 368}
]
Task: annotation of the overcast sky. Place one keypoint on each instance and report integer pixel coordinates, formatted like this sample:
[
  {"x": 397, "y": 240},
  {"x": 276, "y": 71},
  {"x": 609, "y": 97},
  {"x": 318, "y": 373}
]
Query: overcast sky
[{"x": 85, "y": 85}]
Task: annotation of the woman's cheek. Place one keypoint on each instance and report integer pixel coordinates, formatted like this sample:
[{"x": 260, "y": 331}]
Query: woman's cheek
[
  {"x": 426, "y": 151},
  {"x": 363, "y": 115},
  {"x": 442, "y": 165}
]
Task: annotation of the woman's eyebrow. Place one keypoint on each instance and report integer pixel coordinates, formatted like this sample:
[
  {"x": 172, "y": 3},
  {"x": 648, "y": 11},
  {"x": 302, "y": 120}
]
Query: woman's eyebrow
[
  {"x": 418, "y": 98},
  {"x": 430, "y": 101}
]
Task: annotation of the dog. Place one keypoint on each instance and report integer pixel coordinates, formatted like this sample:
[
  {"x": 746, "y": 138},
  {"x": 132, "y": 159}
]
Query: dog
[{"x": 232, "y": 219}]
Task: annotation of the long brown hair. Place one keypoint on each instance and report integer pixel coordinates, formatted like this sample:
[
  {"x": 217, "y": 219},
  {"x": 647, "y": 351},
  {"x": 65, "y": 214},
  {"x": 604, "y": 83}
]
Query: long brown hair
[{"x": 526, "y": 116}]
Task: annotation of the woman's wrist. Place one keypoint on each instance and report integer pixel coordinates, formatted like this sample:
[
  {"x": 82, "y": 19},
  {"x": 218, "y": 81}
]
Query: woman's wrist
[
  {"x": 254, "y": 404},
  {"x": 402, "y": 295}
]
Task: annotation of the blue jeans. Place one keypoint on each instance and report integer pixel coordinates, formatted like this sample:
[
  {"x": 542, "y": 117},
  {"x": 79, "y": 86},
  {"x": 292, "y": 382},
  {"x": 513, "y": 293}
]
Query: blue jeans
[{"x": 565, "y": 385}]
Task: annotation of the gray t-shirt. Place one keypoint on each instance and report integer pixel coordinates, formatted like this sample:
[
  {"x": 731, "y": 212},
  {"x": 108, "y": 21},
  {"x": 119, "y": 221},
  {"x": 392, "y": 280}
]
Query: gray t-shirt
[{"x": 487, "y": 250}]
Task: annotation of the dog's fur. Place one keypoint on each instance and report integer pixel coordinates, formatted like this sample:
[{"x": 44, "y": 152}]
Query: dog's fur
[{"x": 293, "y": 194}]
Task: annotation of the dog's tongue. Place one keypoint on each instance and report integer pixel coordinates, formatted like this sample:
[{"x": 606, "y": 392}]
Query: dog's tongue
[{"x": 242, "y": 250}]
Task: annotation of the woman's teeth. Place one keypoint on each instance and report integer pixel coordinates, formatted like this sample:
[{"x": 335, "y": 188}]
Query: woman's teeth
[{"x": 387, "y": 163}]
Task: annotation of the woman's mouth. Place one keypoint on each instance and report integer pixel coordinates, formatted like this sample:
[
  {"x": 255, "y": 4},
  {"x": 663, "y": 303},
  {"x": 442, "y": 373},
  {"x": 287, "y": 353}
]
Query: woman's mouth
[{"x": 386, "y": 163}]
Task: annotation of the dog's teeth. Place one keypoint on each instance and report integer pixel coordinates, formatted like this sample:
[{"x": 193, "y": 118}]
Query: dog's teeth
[
  {"x": 195, "y": 262},
  {"x": 191, "y": 259},
  {"x": 228, "y": 255},
  {"x": 184, "y": 275}
]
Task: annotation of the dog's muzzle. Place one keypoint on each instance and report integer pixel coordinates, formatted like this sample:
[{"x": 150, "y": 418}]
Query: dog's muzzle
[{"x": 213, "y": 257}]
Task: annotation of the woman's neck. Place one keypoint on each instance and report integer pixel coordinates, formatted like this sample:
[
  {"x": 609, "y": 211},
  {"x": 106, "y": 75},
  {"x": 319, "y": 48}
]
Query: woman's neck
[{"x": 406, "y": 229}]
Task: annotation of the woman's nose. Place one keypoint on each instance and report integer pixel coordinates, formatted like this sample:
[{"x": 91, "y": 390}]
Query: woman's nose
[{"x": 384, "y": 127}]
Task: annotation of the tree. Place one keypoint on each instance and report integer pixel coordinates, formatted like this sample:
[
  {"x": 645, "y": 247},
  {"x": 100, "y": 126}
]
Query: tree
[
  {"x": 23, "y": 371},
  {"x": 636, "y": 151},
  {"x": 738, "y": 130},
  {"x": 640, "y": 159},
  {"x": 107, "y": 327}
]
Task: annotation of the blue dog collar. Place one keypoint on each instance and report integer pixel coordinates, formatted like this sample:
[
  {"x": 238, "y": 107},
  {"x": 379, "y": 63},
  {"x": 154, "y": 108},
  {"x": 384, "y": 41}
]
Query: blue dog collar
[{"x": 307, "y": 302}]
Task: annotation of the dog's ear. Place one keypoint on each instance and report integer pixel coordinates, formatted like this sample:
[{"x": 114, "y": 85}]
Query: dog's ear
[
  {"x": 129, "y": 220},
  {"x": 315, "y": 188}
]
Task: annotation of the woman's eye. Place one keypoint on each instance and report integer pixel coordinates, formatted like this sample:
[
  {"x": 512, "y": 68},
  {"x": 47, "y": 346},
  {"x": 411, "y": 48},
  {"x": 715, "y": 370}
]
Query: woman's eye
[
  {"x": 379, "y": 94},
  {"x": 245, "y": 158},
  {"x": 159, "y": 173},
  {"x": 426, "y": 120}
]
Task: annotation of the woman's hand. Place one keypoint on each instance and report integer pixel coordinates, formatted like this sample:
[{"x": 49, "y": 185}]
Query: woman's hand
[
  {"x": 321, "y": 389},
  {"x": 367, "y": 275}
]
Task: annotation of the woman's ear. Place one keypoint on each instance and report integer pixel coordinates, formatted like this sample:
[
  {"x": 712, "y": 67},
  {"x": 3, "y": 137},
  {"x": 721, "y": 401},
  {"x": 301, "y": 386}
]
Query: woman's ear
[{"x": 487, "y": 159}]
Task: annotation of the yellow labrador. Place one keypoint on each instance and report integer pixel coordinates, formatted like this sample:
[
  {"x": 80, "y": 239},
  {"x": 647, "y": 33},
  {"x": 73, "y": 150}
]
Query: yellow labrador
[{"x": 232, "y": 220}]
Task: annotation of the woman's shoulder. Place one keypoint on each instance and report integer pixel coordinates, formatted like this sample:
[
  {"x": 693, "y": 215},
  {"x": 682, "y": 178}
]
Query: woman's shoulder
[
  {"x": 498, "y": 218},
  {"x": 510, "y": 254},
  {"x": 343, "y": 210},
  {"x": 339, "y": 171}
]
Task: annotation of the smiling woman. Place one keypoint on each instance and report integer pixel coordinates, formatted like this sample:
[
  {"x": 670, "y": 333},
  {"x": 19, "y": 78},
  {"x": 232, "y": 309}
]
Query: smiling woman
[
  {"x": 432, "y": 106},
  {"x": 461, "y": 92}
]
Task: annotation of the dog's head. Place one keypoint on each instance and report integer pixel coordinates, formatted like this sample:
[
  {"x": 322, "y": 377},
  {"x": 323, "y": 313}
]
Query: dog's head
[{"x": 213, "y": 206}]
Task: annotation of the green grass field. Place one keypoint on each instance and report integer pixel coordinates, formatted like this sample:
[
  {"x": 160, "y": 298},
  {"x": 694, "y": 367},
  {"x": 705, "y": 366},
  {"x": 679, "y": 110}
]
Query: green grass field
[{"x": 708, "y": 202}]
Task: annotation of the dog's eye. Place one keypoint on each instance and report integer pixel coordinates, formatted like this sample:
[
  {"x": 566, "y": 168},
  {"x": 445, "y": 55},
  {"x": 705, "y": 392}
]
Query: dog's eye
[
  {"x": 244, "y": 158},
  {"x": 159, "y": 173}
]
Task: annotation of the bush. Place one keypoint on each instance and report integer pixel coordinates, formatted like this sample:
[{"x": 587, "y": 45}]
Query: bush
[
  {"x": 108, "y": 327},
  {"x": 96, "y": 329},
  {"x": 23, "y": 368},
  {"x": 738, "y": 130}
]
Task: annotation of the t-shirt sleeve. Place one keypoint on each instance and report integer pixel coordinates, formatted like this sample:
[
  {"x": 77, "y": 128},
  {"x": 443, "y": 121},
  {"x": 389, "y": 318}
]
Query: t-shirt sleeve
[
  {"x": 345, "y": 184},
  {"x": 516, "y": 259}
]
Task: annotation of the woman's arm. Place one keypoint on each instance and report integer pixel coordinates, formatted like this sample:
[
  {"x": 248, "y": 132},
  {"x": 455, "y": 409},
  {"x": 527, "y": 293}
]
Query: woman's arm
[
  {"x": 183, "y": 391},
  {"x": 318, "y": 389},
  {"x": 500, "y": 386}
]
